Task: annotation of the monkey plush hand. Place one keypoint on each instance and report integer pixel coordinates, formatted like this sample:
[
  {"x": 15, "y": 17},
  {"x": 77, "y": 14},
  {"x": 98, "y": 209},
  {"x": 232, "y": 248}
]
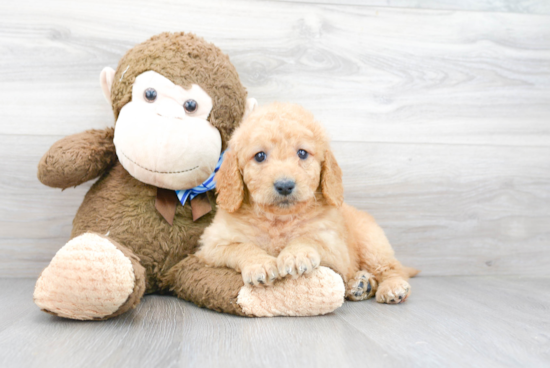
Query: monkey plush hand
[{"x": 176, "y": 101}]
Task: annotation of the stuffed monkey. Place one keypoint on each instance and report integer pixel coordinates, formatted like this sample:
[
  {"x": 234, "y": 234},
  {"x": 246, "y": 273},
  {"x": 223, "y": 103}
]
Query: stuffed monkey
[{"x": 176, "y": 101}]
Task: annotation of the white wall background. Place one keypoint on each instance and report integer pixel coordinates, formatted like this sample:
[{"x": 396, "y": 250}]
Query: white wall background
[{"x": 439, "y": 111}]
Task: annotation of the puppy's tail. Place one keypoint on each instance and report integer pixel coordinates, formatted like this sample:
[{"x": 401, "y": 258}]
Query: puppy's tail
[{"x": 412, "y": 272}]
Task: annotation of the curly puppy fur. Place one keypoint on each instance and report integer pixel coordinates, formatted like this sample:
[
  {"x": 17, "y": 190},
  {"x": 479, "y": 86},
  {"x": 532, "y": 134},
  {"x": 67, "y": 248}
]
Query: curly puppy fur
[{"x": 267, "y": 235}]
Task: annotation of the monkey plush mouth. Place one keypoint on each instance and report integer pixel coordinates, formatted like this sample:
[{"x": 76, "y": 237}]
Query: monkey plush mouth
[
  {"x": 158, "y": 172},
  {"x": 159, "y": 142}
]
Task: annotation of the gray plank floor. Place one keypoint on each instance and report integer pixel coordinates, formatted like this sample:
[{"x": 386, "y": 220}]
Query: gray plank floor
[{"x": 447, "y": 322}]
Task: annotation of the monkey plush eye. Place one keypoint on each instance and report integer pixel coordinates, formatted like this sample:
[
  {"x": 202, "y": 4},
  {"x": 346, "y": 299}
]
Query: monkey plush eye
[
  {"x": 302, "y": 154},
  {"x": 260, "y": 156},
  {"x": 150, "y": 95},
  {"x": 190, "y": 106}
]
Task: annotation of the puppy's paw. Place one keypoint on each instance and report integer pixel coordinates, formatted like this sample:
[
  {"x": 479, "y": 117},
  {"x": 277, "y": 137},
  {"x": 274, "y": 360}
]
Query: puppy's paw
[
  {"x": 361, "y": 287},
  {"x": 393, "y": 291},
  {"x": 300, "y": 262},
  {"x": 263, "y": 272}
]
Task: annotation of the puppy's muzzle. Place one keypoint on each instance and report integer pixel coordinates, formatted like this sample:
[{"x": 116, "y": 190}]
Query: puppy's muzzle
[{"x": 284, "y": 187}]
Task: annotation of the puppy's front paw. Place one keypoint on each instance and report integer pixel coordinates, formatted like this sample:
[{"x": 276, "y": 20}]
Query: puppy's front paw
[
  {"x": 260, "y": 273},
  {"x": 299, "y": 262},
  {"x": 393, "y": 291}
]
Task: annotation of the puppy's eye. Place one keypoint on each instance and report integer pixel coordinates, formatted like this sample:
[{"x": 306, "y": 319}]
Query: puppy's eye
[
  {"x": 190, "y": 106},
  {"x": 302, "y": 154},
  {"x": 260, "y": 156},
  {"x": 150, "y": 95}
]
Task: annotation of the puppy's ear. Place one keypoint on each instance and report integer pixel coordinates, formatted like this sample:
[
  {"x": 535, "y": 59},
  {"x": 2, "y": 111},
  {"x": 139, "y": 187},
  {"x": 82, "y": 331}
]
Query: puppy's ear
[
  {"x": 229, "y": 183},
  {"x": 331, "y": 180}
]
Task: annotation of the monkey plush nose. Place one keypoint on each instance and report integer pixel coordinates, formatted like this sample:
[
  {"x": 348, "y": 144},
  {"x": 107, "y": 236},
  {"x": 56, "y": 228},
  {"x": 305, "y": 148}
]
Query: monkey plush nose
[
  {"x": 169, "y": 109},
  {"x": 284, "y": 187}
]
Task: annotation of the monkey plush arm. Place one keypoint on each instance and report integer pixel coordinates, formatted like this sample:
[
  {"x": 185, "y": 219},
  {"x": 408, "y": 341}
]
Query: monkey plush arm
[
  {"x": 77, "y": 158},
  {"x": 222, "y": 289}
]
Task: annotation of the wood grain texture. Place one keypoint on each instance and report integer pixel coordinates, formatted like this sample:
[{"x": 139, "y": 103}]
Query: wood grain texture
[
  {"x": 506, "y": 6},
  {"x": 448, "y": 321},
  {"x": 448, "y": 210},
  {"x": 372, "y": 75},
  {"x": 439, "y": 118}
]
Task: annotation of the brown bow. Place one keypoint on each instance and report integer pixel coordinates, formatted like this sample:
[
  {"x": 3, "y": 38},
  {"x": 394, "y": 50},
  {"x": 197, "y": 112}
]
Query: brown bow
[{"x": 167, "y": 201}]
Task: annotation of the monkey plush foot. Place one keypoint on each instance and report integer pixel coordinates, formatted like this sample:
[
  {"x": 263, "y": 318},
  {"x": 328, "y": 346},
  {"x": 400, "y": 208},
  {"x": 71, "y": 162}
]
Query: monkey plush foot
[
  {"x": 91, "y": 277},
  {"x": 320, "y": 293}
]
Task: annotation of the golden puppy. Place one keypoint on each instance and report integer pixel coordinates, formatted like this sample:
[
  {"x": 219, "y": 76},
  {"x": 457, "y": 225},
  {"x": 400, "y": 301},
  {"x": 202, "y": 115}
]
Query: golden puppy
[{"x": 281, "y": 211}]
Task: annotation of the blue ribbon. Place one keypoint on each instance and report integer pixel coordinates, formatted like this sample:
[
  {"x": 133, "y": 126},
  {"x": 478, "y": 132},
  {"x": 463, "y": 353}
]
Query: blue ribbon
[{"x": 208, "y": 185}]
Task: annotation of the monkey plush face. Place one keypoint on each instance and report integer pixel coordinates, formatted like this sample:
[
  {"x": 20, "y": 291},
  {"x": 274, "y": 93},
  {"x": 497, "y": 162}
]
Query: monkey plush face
[
  {"x": 176, "y": 100},
  {"x": 163, "y": 137}
]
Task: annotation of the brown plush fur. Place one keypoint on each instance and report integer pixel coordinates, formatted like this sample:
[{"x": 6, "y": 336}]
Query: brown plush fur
[
  {"x": 265, "y": 235},
  {"x": 212, "y": 288},
  {"x": 122, "y": 207},
  {"x": 78, "y": 158}
]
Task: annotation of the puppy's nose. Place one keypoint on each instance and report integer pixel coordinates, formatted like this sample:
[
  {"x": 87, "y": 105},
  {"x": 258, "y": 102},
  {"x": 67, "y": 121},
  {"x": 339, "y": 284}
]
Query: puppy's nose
[{"x": 284, "y": 187}]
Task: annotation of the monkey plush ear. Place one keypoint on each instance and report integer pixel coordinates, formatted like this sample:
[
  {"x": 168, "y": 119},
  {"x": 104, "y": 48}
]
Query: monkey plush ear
[
  {"x": 229, "y": 184},
  {"x": 106, "y": 79},
  {"x": 331, "y": 180},
  {"x": 251, "y": 104}
]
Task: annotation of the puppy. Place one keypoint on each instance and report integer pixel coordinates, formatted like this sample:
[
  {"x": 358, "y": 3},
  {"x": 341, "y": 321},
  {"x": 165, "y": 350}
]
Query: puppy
[{"x": 281, "y": 211}]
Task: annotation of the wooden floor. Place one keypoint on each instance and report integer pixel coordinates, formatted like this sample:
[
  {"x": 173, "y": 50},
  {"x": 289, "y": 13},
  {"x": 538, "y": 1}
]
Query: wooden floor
[{"x": 447, "y": 322}]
